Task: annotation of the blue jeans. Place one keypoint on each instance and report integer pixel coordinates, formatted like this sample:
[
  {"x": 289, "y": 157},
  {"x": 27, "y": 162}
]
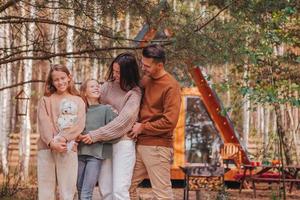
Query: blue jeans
[{"x": 88, "y": 174}]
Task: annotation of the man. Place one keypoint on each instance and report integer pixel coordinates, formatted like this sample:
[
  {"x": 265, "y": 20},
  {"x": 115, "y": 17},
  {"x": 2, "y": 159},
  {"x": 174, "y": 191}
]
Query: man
[{"x": 158, "y": 117}]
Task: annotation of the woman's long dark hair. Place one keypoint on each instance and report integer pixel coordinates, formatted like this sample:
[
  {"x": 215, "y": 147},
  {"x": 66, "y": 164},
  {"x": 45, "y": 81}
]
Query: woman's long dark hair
[{"x": 129, "y": 71}]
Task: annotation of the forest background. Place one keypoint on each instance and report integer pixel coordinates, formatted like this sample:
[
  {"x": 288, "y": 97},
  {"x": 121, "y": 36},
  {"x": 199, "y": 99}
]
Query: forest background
[{"x": 248, "y": 49}]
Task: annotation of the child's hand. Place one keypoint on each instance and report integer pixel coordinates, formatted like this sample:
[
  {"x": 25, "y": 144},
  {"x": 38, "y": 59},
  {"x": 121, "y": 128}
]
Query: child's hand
[{"x": 60, "y": 147}]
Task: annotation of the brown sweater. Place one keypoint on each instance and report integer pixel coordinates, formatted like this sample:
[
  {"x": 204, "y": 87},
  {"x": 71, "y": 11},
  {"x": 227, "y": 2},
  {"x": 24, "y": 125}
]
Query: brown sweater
[
  {"x": 159, "y": 111},
  {"x": 48, "y": 112},
  {"x": 126, "y": 103}
]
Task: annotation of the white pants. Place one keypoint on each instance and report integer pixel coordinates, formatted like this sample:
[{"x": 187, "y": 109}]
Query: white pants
[
  {"x": 116, "y": 173},
  {"x": 60, "y": 168}
]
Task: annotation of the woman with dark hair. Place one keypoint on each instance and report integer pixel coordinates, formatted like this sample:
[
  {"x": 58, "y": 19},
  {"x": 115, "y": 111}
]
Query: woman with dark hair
[{"x": 121, "y": 90}]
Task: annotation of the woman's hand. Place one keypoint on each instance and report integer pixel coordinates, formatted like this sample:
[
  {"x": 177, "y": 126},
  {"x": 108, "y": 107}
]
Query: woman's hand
[
  {"x": 79, "y": 137},
  {"x": 114, "y": 110},
  {"x": 86, "y": 139},
  {"x": 136, "y": 130},
  {"x": 60, "y": 147}
]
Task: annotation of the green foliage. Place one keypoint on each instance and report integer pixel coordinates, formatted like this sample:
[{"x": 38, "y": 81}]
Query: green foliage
[{"x": 248, "y": 33}]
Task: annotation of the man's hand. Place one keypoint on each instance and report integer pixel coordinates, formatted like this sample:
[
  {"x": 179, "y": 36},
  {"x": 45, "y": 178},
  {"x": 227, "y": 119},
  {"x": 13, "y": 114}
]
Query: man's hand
[
  {"x": 60, "y": 147},
  {"x": 136, "y": 130},
  {"x": 86, "y": 139}
]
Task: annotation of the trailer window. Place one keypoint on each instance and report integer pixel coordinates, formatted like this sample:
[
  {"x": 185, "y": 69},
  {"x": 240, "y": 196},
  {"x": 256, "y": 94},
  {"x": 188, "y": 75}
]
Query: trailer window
[{"x": 202, "y": 141}]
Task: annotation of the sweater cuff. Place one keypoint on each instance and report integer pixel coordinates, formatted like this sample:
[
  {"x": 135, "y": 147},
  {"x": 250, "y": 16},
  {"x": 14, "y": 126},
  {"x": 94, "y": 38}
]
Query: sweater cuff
[
  {"x": 143, "y": 127},
  {"x": 93, "y": 137},
  {"x": 48, "y": 141}
]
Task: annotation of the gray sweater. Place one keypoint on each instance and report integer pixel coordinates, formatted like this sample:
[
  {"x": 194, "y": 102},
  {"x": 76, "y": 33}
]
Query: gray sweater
[
  {"x": 96, "y": 117},
  {"x": 126, "y": 103}
]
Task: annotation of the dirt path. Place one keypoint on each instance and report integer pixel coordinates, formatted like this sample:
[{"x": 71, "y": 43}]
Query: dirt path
[
  {"x": 145, "y": 194},
  {"x": 233, "y": 194}
]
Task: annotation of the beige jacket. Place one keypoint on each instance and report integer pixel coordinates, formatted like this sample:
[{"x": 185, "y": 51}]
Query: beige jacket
[{"x": 48, "y": 112}]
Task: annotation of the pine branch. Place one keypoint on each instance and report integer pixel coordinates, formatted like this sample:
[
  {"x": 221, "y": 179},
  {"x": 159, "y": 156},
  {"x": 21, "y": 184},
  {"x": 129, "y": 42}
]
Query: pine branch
[{"x": 213, "y": 18}]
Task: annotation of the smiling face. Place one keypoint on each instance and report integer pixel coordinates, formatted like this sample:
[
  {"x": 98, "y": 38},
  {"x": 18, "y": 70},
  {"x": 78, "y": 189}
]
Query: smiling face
[
  {"x": 92, "y": 91},
  {"x": 60, "y": 81},
  {"x": 116, "y": 72},
  {"x": 150, "y": 68}
]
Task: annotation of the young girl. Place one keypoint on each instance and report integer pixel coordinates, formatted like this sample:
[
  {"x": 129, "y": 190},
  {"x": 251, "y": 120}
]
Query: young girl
[
  {"x": 90, "y": 156},
  {"x": 121, "y": 90},
  {"x": 55, "y": 164}
]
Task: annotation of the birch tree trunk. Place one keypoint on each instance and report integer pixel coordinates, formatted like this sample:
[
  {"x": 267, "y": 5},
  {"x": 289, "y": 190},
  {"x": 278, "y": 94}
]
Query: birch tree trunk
[
  {"x": 54, "y": 31},
  {"x": 274, "y": 120},
  {"x": 2, "y": 118},
  {"x": 25, "y": 122},
  {"x": 262, "y": 121},
  {"x": 203, "y": 9},
  {"x": 228, "y": 95},
  {"x": 282, "y": 134},
  {"x": 82, "y": 74},
  {"x": 283, "y": 117},
  {"x": 7, "y": 107},
  {"x": 5, "y": 101},
  {"x": 246, "y": 114},
  {"x": 294, "y": 126},
  {"x": 282, "y": 122},
  {"x": 175, "y": 5},
  {"x": 97, "y": 24},
  {"x": 258, "y": 119},
  {"x": 113, "y": 26},
  {"x": 296, "y": 131},
  {"x": 70, "y": 36},
  {"x": 192, "y": 6},
  {"x": 116, "y": 24},
  {"x": 127, "y": 25},
  {"x": 3, "y": 163},
  {"x": 266, "y": 131}
]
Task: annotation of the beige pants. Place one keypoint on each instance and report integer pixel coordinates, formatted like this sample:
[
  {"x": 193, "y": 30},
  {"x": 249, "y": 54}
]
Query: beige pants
[
  {"x": 57, "y": 168},
  {"x": 154, "y": 161}
]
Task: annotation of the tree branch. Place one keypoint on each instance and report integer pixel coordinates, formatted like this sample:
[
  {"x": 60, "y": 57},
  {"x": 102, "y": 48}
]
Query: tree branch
[
  {"x": 21, "y": 20},
  {"x": 22, "y": 83},
  {"x": 8, "y": 4},
  {"x": 27, "y": 82},
  {"x": 48, "y": 55},
  {"x": 52, "y": 55},
  {"x": 213, "y": 18}
]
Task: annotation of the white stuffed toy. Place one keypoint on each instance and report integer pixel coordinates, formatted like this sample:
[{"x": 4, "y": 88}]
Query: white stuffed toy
[{"x": 67, "y": 119}]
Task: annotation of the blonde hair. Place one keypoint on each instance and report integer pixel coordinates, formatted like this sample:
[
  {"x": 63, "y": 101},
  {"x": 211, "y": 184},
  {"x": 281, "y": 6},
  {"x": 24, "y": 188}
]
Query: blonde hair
[
  {"x": 83, "y": 88},
  {"x": 50, "y": 88}
]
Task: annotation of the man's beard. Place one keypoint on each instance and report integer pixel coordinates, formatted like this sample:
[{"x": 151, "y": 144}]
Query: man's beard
[{"x": 146, "y": 74}]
